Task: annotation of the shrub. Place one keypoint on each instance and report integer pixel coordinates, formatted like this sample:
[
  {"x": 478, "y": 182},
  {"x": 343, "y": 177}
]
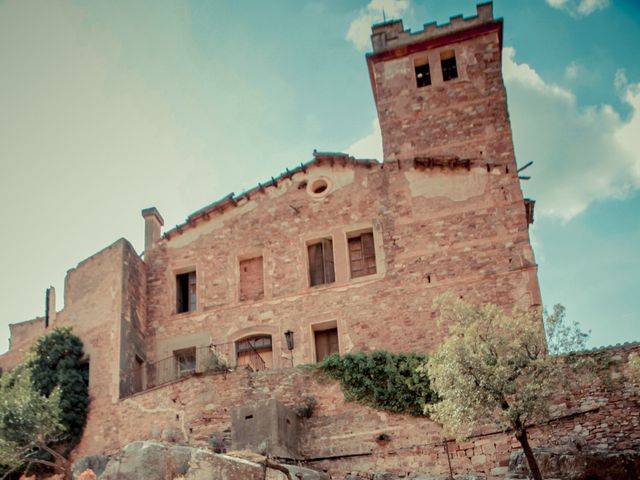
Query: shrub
[
  {"x": 397, "y": 382},
  {"x": 57, "y": 360}
]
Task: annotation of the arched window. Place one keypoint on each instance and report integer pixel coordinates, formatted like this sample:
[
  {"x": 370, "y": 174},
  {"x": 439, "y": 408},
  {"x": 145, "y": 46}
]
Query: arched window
[{"x": 255, "y": 352}]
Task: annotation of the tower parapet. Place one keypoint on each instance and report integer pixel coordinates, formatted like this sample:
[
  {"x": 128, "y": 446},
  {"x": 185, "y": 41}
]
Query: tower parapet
[{"x": 391, "y": 34}]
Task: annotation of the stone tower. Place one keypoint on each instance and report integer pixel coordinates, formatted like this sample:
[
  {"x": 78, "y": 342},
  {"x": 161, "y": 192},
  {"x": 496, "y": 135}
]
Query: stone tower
[{"x": 439, "y": 92}]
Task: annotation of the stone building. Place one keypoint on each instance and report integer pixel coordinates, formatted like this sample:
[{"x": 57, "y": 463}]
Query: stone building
[{"x": 335, "y": 255}]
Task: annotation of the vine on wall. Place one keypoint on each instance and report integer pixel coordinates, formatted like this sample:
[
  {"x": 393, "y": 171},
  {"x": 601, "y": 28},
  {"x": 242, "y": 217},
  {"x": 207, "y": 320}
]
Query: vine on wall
[{"x": 397, "y": 382}]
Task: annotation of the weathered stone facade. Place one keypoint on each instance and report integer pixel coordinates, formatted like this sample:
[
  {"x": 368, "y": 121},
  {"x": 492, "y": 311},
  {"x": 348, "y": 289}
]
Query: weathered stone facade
[{"x": 340, "y": 255}]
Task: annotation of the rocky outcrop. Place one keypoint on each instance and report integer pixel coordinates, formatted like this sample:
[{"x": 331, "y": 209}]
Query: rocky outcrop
[
  {"x": 587, "y": 465},
  {"x": 158, "y": 461}
]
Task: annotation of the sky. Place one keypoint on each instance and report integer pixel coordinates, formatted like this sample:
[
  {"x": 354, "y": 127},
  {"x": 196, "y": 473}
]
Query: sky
[{"x": 107, "y": 108}]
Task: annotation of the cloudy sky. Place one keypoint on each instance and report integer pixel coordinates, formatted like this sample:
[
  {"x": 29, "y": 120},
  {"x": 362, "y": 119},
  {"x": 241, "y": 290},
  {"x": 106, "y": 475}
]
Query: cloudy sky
[{"x": 110, "y": 107}]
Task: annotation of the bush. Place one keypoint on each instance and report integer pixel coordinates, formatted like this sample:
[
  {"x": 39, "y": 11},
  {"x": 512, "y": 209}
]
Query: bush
[
  {"x": 397, "y": 382},
  {"x": 57, "y": 360}
]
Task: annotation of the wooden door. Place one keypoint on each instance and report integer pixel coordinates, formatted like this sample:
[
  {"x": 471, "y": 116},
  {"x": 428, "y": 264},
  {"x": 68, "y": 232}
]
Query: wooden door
[{"x": 326, "y": 343}]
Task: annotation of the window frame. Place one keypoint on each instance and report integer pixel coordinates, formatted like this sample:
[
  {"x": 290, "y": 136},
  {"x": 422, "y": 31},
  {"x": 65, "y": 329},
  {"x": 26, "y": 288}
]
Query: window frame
[
  {"x": 352, "y": 237},
  {"x": 185, "y": 354},
  {"x": 191, "y": 303},
  {"x": 328, "y": 260},
  {"x": 447, "y": 56},
  {"x": 420, "y": 64}
]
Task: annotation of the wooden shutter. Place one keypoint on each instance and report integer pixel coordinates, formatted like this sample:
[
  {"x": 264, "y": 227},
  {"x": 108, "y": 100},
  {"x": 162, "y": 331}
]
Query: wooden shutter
[
  {"x": 321, "y": 268},
  {"x": 316, "y": 264},
  {"x": 192, "y": 292},
  {"x": 362, "y": 255},
  {"x": 368, "y": 253},
  {"x": 327, "y": 260}
]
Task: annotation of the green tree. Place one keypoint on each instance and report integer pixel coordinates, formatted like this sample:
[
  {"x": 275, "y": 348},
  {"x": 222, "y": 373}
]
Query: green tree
[
  {"x": 57, "y": 361},
  {"x": 495, "y": 367},
  {"x": 29, "y": 422}
]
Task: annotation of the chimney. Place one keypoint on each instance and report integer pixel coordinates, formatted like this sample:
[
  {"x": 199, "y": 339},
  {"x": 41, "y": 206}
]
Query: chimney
[
  {"x": 152, "y": 223},
  {"x": 50, "y": 307}
]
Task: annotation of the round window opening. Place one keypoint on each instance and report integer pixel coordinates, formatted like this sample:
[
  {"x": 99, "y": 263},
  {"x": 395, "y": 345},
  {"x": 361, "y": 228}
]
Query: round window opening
[{"x": 319, "y": 187}]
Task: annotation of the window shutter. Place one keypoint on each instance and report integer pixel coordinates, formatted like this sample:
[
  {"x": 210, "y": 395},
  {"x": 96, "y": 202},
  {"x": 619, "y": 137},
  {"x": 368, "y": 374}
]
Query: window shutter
[
  {"x": 327, "y": 256},
  {"x": 368, "y": 253},
  {"x": 316, "y": 265},
  {"x": 192, "y": 292},
  {"x": 179, "y": 295}
]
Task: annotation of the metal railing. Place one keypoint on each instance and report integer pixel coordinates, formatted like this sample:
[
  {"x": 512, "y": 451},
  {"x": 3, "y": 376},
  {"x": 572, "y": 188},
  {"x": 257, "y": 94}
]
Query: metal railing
[{"x": 196, "y": 360}]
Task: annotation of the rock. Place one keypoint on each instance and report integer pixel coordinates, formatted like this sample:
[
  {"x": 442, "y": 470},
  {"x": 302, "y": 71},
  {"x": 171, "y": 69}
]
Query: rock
[
  {"x": 206, "y": 465},
  {"x": 138, "y": 460},
  {"x": 96, "y": 463},
  {"x": 555, "y": 463},
  {"x": 180, "y": 458},
  {"x": 88, "y": 474},
  {"x": 302, "y": 473}
]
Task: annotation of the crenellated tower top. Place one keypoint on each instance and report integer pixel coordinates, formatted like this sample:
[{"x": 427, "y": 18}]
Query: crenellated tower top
[{"x": 389, "y": 35}]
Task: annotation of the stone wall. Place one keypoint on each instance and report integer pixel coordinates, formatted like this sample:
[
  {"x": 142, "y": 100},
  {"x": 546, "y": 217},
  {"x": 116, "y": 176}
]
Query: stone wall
[{"x": 343, "y": 437}]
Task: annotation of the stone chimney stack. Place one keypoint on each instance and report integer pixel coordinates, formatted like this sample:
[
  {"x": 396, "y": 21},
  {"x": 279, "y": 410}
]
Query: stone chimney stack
[
  {"x": 50, "y": 307},
  {"x": 152, "y": 223}
]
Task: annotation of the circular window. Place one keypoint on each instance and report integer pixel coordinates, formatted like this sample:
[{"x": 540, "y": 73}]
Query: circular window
[{"x": 319, "y": 187}]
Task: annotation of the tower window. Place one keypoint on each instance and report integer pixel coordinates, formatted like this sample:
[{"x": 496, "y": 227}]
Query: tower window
[
  {"x": 423, "y": 75},
  {"x": 186, "y": 292},
  {"x": 449, "y": 67}
]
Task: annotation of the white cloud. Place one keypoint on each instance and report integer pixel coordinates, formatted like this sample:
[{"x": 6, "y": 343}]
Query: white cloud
[
  {"x": 620, "y": 80},
  {"x": 572, "y": 71},
  {"x": 369, "y": 146},
  {"x": 579, "y": 7},
  {"x": 360, "y": 28},
  {"x": 581, "y": 155}
]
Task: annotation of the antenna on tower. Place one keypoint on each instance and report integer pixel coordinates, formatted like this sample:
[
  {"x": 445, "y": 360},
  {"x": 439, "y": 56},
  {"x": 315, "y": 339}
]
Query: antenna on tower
[{"x": 384, "y": 16}]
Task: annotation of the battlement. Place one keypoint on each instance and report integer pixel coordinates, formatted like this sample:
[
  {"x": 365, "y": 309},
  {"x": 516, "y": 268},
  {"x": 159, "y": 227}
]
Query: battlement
[{"x": 390, "y": 35}]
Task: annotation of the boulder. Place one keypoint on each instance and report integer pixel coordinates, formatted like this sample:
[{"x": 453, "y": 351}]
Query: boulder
[{"x": 96, "y": 463}]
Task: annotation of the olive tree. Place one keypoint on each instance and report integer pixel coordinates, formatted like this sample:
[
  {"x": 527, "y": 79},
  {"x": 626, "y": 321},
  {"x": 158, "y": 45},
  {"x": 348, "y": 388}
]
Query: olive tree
[
  {"x": 496, "y": 367},
  {"x": 29, "y": 422}
]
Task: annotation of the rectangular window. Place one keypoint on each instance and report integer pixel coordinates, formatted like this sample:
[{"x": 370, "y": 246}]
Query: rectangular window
[
  {"x": 423, "y": 75},
  {"x": 362, "y": 255},
  {"x": 449, "y": 67},
  {"x": 186, "y": 292},
  {"x": 138, "y": 375},
  {"x": 185, "y": 361},
  {"x": 321, "y": 270},
  {"x": 326, "y": 343},
  {"x": 251, "y": 279}
]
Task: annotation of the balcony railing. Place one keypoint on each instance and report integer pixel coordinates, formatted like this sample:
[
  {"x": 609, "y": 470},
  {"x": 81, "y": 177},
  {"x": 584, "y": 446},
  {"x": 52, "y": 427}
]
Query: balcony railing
[{"x": 188, "y": 362}]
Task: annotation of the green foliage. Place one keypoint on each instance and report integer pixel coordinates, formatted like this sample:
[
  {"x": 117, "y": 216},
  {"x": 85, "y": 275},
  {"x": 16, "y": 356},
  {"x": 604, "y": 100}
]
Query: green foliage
[
  {"x": 27, "y": 419},
  {"x": 562, "y": 337},
  {"x": 56, "y": 361},
  {"x": 216, "y": 363},
  {"x": 397, "y": 382}
]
